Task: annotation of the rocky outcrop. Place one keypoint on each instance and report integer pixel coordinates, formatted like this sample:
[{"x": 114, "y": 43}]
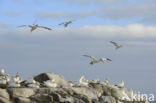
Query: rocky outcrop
[{"x": 64, "y": 93}]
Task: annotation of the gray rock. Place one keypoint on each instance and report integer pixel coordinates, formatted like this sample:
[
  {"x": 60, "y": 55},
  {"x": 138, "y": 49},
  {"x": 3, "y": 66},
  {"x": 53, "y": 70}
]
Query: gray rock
[
  {"x": 4, "y": 93},
  {"x": 42, "y": 98},
  {"x": 108, "y": 99},
  {"x": 61, "y": 81},
  {"x": 4, "y": 100},
  {"x": 23, "y": 100},
  {"x": 89, "y": 92},
  {"x": 21, "y": 92}
]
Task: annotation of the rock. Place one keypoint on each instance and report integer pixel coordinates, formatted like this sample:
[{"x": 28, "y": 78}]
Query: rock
[
  {"x": 108, "y": 99},
  {"x": 42, "y": 98},
  {"x": 4, "y": 100},
  {"x": 23, "y": 100},
  {"x": 4, "y": 93},
  {"x": 21, "y": 92},
  {"x": 61, "y": 81},
  {"x": 89, "y": 92}
]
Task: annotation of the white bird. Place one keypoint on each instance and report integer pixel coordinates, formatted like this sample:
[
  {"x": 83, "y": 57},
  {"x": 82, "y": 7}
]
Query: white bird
[
  {"x": 36, "y": 85},
  {"x": 117, "y": 46},
  {"x": 66, "y": 23},
  {"x": 2, "y": 72},
  {"x": 3, "y": 80},
  {"x": 13, "y": 82},
  {"x": 94, "y": 60},
  {"x": 106, "y": 81},
  {"x": 51, "y": 83},
  {"x": 82, "y": 81},
  {"x": 97, "y": 80},
  {"x": 31, "y": 81},
  {"x": 35, "y": 26},
  {"x": 121, "y": 85}
]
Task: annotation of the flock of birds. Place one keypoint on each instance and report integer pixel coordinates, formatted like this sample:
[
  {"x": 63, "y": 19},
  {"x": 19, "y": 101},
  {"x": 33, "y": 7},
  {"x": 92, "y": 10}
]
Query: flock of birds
[
  {"x": 16, "y": 81},
  {"x": 65, "y": 24}
]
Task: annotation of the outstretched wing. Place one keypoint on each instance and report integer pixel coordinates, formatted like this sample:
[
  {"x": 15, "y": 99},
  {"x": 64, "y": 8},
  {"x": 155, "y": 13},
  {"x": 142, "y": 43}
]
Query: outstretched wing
[
  {"x": 45, "y": 27},
  {"x": 114, "y": 43},
  {"x": 93, "y": 58},
  {"x": 61, "y": 23},
  {"x": 109, "y": 59},
  {"x": 23, "y": 26}
]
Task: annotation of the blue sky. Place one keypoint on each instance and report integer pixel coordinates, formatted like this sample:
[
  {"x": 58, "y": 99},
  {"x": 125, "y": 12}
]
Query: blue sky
[{"x": 129, "y": 22}]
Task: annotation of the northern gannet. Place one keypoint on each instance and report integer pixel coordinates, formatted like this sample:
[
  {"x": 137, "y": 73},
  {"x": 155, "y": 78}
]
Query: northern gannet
[
  {"x": 66, "y": 23},
  {"x": 97, "y": 80},
  {"x": 50, "y": 83},
  {"x": 2, "y": 80},
  {"x": 94, "y": 60},
  {"x": 106, "y": 81},
  {"x": 35, "y": 26},
  {"x": 82, "y": 81},
  {"x": 31, "y": 81},
  {"x": 117, "y": 46},
  {"x": 13, "y": 82},
  {"x": 35, "y": 85},
  {"x": 2, "y": 72},
  {"x": 99, "y": 92},
  {"x": 121, "y": 85}
]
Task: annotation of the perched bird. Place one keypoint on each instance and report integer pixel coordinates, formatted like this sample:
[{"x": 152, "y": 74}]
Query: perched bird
[
  {"x": 35, "y": 26},
  {"x": 82, "y": 81},
  {"x": 94, "y": 60},
  {"x": 50, "y": 83},
  {"x": 3, "y": 80},
  {"x": 121, "y": 85},
  {"x": 2, "y": 72},
  {"x": 31, "y": 81},
  {"x": 34, "y": 85},
  {"x": 13, "y": 82},
  {"x": 97, "y": 80},
  {"x": 66, "y": 23},
  {"x": 106, "y": 81},
  {"x": 117, "y": 46}
]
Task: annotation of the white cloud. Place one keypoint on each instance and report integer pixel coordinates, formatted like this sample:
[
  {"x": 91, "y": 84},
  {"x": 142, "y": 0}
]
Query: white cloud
[{"x": 128, "y": 31}]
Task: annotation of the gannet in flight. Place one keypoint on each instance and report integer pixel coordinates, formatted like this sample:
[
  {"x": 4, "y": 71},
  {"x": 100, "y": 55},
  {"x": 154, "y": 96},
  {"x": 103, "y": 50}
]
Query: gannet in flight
[
  {"x": 117, "y": 46},
  {"x": 121, "y": 85},
  {"x": 35, "y": 26},
  {"x": 66, "y": 23},
  {"x": 94, "y": 60},
  {"x": 50, "y": 83}
]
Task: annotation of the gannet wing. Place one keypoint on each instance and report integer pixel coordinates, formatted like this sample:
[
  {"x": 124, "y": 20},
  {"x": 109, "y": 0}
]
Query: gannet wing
[
  {"x": 61, "y": 23},
  {"x": 45, "y": 27},
  {"x": 93, "y": 58},
  {"x": 108, "y": 59},
  {"x": 23, "y": 26},
  {"x": 66, "y": 24},
  {"x": 114, "y": 43}
]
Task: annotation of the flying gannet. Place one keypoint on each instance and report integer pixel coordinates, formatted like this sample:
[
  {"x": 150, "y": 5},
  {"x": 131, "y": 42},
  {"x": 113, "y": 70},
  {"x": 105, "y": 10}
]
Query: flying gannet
[
  {"x": 66, "y": 23},
  {"x": 117, "y": 46},
  {"x": 51, "y": 83},
  {"x": 121, "y": 85},
  {"x": 94, "y": 60},
  {"x": 35, "y": 26}
]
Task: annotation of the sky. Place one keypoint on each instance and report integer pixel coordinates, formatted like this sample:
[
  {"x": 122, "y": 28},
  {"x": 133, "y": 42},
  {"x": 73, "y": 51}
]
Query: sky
[{"x": 131, "y": 23}]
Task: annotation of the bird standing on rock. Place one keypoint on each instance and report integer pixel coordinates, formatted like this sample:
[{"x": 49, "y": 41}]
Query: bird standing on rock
[{"x": 94, "y": 60}]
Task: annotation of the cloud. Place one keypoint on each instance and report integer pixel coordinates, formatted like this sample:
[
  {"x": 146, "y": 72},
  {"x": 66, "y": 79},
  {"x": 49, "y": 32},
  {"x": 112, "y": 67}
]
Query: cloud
[
  {"x": 2, "y": 25},
  {"x": 61, "y": 14},
  {"x": 128, "y": 31},
  {"x": 12, "y": 14}
]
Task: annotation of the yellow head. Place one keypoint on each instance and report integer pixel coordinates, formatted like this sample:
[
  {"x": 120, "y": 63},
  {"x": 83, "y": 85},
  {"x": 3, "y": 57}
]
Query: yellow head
[{"x": 82, "y": 77}]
